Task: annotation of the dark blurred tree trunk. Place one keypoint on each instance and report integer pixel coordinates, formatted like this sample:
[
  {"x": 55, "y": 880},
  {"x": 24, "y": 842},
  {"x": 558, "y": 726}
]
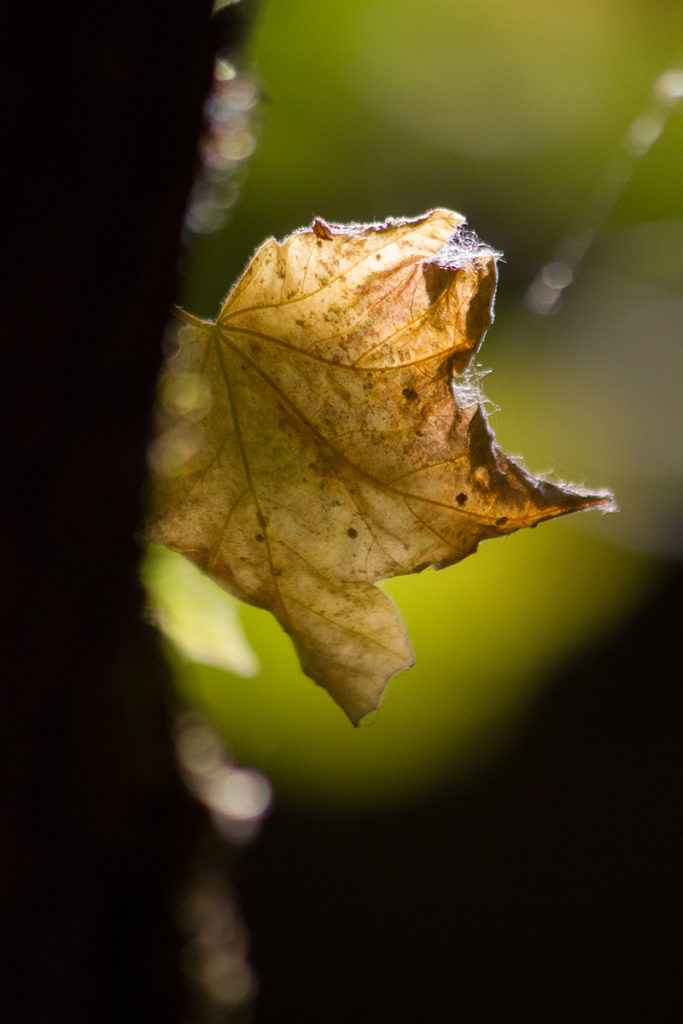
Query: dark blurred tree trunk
[{"x": 97, "y": 833}]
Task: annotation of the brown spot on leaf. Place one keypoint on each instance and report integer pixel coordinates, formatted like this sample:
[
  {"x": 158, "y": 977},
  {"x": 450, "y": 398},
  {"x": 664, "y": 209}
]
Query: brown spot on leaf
[{"x": 321, "y": 229}]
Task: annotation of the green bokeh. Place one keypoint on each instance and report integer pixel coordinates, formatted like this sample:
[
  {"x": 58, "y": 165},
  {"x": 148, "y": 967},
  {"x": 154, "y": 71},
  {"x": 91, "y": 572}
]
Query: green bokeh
[
  {"x": 484, "y": 634},
  {"x": 371, "y": 107},
  {"x": 514, "y": 115}
]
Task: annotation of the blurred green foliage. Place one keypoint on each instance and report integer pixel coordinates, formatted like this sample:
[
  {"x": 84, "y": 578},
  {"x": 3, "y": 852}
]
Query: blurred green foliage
[{"x": 515, "y": 115}]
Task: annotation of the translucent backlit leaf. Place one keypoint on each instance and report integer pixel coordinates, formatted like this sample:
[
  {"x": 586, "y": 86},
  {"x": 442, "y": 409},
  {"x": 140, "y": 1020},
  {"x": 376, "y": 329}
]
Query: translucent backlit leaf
[{"x": 336, "y": 439}]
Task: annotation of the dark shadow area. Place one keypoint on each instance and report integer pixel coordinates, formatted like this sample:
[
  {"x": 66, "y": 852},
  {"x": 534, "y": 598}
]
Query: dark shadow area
[
  {"x": 548, "y": 890},
  {"x": 98, "y": 834}
]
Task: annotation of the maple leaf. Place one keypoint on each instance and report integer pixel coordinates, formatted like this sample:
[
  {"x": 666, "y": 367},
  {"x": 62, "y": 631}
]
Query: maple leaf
[{"x": 315, "y": 438}]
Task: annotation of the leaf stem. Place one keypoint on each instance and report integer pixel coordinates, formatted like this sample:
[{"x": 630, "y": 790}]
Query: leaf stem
[{"x": 188, "y": 318}]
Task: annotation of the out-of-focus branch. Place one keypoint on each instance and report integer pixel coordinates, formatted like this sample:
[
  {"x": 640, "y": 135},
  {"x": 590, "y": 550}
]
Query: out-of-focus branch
[{"x": 97, "y": 830}]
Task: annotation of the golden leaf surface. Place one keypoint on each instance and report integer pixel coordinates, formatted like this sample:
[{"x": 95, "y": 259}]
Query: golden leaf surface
[{"x": 315, "y": 440}]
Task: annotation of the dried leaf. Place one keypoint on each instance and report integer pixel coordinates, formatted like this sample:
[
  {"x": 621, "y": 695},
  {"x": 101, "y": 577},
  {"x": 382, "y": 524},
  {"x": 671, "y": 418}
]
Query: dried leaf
[{"x": 315, "y": 438}]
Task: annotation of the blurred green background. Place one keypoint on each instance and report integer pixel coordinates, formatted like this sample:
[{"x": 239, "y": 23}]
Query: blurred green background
[{"x": 520, "y": 116}]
